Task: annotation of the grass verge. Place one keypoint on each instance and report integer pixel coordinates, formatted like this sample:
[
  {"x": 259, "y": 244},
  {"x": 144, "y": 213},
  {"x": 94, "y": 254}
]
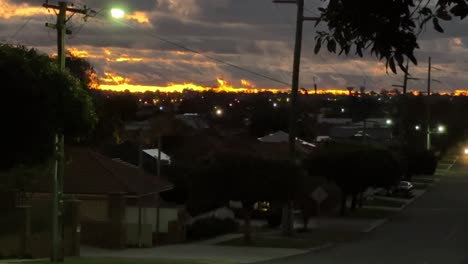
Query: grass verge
[
  {"x": 371, "y": 213},
  {"x": 420, "y": 186},
  {"x": 114, "y": 261},
  {"x": 385, "y": 203},
  {"x": 422, "y": 180}
]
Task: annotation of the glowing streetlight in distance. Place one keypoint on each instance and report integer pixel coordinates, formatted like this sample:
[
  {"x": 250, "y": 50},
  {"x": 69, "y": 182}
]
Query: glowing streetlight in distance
[
  {"x": 441, "y": 129},
  {"x": 417, "y": 127},
  {"x": 275, "y": 105},
  {"x": 117, "y": 13},
  {"x": 219, "y": 112},
  {"x": 388, "y": 122}
]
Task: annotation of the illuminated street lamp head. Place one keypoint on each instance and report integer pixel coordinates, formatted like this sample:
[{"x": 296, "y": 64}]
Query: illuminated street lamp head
[
  {"x": 117, "y": 13},
  {"x": 388, "y": 122},
  {"x": 219, "y": 112},
  {"x": 440, "y": 129},
  {"x": 417, "y": 127}
]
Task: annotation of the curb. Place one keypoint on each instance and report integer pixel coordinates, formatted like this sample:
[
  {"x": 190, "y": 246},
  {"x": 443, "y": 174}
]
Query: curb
[
  {"x": 376, "y": 224},
  {"x": 327, "y": 245}
]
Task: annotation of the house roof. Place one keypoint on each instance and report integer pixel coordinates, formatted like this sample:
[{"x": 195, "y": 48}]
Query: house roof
[
  {"x": 193, "y": 120},
  {"x": 283, "y": 137},
  {"x": 88, "y": 172}
]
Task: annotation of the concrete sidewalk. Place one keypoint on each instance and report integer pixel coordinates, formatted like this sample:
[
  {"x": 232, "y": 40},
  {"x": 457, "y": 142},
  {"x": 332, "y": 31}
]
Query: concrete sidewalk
[{"x": 197, "y": 252}]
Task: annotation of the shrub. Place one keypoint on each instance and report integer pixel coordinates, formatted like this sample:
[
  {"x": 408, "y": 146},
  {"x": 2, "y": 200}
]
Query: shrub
[
  {"x": 274, "y": 220},
  {"x": 211, "y": 227}
]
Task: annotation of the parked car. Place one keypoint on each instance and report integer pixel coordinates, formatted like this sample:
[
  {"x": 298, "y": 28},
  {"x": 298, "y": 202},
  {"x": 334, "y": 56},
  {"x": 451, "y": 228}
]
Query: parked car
[{"x": 405, "y": 186}]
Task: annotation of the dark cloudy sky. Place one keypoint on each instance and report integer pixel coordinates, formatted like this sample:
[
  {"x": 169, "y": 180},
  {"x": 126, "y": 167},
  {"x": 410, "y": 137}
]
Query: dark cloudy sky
[{"x": 255, "y": 34}]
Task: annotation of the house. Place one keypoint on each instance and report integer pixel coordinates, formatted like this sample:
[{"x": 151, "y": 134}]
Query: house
[
  {"x": 154, "y": 153},
  {"x": 120, "y": 203},
  {"x": 283, "y": 137},
  {"x": 193, "y": 120}
]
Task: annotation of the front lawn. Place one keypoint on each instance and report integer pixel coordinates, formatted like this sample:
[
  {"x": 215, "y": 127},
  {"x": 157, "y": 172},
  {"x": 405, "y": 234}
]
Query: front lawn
[{"x": 114, "y": 261}]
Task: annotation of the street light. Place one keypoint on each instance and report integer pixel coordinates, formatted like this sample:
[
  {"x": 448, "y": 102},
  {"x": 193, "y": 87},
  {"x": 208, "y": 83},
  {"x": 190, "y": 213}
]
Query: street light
[
  {"x": 440, "y": 129},
  {"x": 117, "y": 13},
  {"x": 417, "y": 127},
  {"x": 388, "y": 122}
]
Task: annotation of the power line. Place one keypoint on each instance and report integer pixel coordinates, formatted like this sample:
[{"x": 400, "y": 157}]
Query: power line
[
  {"x": 13, "y": 36},
  {"x": 183, "y": 47}
]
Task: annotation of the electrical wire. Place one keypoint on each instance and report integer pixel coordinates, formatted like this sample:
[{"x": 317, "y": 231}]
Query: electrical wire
[
  {"x": 21, "y": 28},
  {"x": 185, "y": 48}
]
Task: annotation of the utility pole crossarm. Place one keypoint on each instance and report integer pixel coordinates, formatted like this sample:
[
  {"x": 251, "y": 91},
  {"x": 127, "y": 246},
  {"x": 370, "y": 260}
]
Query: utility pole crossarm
[{"x": 69, "y": 9}]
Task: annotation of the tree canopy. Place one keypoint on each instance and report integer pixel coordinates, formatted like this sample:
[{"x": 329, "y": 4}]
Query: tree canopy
[
  {"x": 38, "y": 101},
  {"x": 354, "y": 168},
  {"x": 388, "y": 28}
]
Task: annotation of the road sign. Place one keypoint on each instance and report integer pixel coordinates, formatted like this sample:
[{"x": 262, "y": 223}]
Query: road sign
[{"x": 319, "y": 195}]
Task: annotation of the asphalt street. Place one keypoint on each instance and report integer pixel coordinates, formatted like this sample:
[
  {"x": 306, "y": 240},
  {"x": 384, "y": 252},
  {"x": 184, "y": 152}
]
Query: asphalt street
[{"x": 431, "y": 230}]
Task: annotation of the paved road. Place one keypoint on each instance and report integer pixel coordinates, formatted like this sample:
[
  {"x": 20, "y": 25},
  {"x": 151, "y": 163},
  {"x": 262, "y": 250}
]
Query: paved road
[{"x": 432, "y": 230}]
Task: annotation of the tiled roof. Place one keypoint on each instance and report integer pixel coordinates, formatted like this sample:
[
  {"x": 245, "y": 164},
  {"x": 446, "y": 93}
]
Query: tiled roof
[{"x": 88, "y": 172}]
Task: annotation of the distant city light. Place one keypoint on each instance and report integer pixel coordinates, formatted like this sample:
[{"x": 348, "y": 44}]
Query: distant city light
[
  {"x": 161, "y": 108},
  {"x": 343, "y": 110},
  {"x": 275, "y": 105},
  {"x": 389, "y": 122},
  {"x": 287, "y": 99},
  {"x": 219, "y": 112},
  {"x": 441, "y": 129},
  {"x": 417, "y": 127},
  {"x": 230, "y": 104}
]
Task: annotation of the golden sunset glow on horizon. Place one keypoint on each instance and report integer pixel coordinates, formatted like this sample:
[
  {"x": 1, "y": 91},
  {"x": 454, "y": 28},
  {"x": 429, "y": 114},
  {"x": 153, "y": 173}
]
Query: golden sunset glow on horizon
[{"x": 118, "y": 83}]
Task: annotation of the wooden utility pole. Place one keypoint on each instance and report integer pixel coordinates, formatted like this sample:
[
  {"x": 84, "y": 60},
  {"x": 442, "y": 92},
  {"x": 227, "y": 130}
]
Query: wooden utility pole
[
  {"x": 287, "y": 210},
  {"x": 428, "y": 107},
  {"x": 57, "y": 203},
  {"x": 315, "y": 87},
  {"x": 406, "y": 78}
]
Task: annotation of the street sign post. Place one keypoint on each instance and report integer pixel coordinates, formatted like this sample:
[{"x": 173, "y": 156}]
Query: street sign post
[{"x": 319, "y": 195}]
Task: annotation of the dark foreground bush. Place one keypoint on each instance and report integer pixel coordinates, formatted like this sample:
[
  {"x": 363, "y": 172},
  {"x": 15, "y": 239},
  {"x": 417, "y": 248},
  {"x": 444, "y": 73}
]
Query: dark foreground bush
[
  {"x": 211, "y": 227},
  {"x": 422, "y": 162}
]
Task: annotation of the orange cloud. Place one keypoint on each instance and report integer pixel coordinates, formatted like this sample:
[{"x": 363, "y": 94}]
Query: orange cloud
[
  {"x": 127, "y": 59},
  {"x": 379, "y": 69},
  {"x": 9, "y": 10},
  {"x": 140, "y": 17},
  {"x": 79, "y": 53}
]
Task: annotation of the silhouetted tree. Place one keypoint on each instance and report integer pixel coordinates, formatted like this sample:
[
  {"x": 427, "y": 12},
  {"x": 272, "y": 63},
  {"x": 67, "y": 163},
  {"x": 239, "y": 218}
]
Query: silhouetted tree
[
  {"x": 388, "y": 28},
  {"x": 37, "y": 102}
]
